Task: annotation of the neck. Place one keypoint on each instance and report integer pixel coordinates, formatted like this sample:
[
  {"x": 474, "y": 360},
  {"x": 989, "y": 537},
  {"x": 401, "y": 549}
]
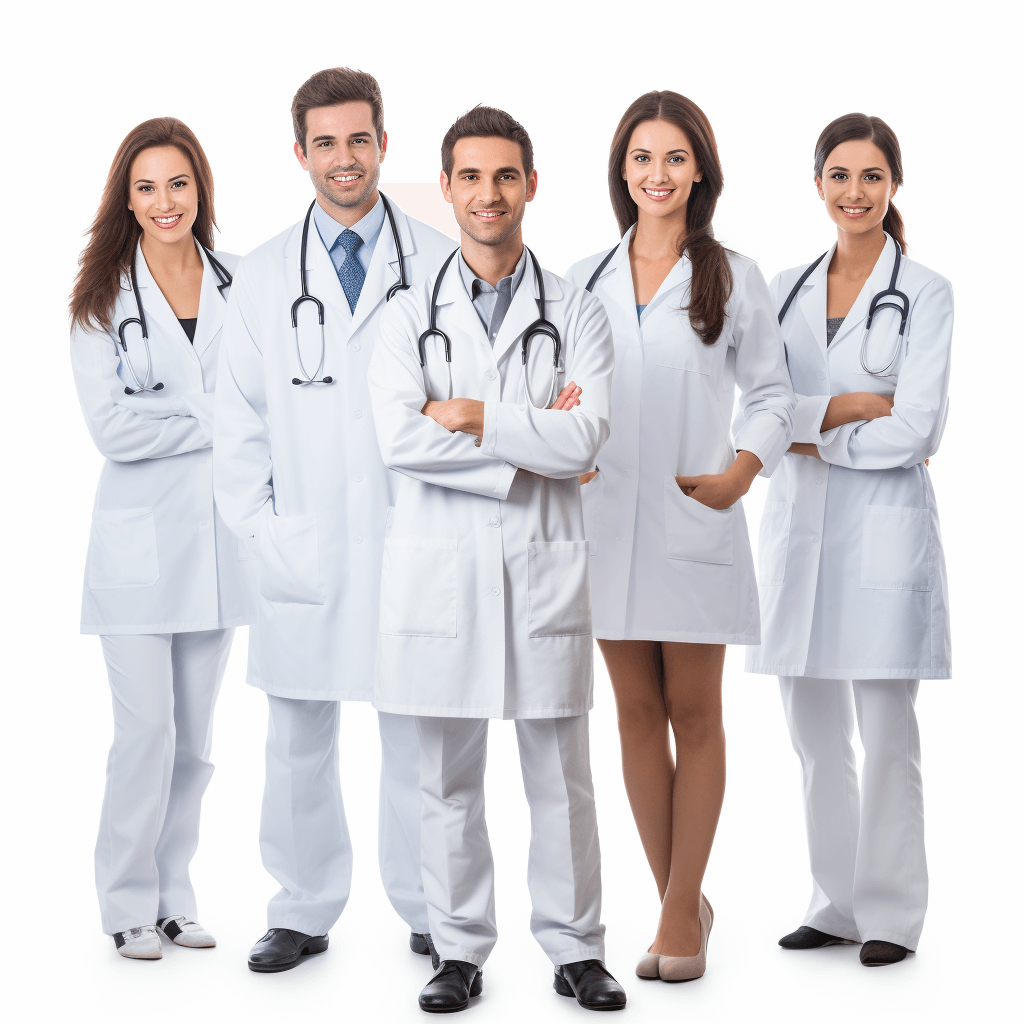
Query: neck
[
  {"x": 658, "y": 237},
  {"x": 491, "y": 263},
  {"x": 857, "y": 254},
  {"x": 173, "y": 257},
  {"x": 348, "y": 215}
]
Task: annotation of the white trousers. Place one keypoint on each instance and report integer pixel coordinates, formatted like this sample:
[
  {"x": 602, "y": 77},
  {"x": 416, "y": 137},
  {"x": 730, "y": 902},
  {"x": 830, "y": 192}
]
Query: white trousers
[
  {"x": 564, "y": 872},
  {"x": 164, "y": 687},
  {"x": 866, "y": 842},
  {"x": 304, "y": 837}
]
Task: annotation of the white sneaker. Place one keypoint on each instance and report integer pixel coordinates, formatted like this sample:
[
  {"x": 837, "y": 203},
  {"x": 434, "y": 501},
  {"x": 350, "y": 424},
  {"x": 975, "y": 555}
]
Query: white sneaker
[
  {"x": 183, "y": 932},
  {"x": 139, "y": 943}
]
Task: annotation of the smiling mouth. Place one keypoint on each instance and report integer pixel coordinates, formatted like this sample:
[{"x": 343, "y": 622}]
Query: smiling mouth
[
  {"x": 658, "y": 193},
  {"x": 854, "y": 211},
  {"x": 168, "y": 222},
  {"x": 344, "y": 179},
  {"x": 488, "y": 214}
]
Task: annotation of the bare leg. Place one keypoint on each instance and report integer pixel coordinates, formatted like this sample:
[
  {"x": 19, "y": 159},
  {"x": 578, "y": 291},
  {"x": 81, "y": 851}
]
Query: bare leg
[
  {"x": 693, "y": 697},
  {"x": 648, "y": 768}
]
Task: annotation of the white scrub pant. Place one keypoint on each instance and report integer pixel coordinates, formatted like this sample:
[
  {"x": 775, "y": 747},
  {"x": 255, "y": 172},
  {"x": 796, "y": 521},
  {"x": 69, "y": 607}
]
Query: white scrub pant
[
  {"x": 164, "y": 687},
  {"x": 866, "y": 843},
  {"x": 564, "y": 872},
  {"x": 304, "y": 837}
]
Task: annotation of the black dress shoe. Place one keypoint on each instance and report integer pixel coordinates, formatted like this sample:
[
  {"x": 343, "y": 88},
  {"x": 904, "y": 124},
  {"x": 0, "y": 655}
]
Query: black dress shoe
[
  {"x": 876, "y": 953},
  {"x": 282, "y": 948},
  {"x": 453, "y": 985},
  {"x": 592, "y": 985},
  {"x": 811, "y": 938},
  {"x": 421, "y": 942}
]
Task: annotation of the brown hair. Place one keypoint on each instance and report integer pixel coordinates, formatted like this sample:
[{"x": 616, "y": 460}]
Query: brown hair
[
  {"x": 337, "y": 85},
  {"x": 711, "y": 275},
  {"x": 874, "y": 129},
  {"x": 115, "y": 232},
  {"x": 486, "y": 123}
]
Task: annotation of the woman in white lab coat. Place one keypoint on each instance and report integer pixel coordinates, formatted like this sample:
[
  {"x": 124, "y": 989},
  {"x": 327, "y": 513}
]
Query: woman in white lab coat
[
  {"x": 672, "y": 575},
  {"x": 853, "y": 583},
  {"x": 164, "y": 582}
]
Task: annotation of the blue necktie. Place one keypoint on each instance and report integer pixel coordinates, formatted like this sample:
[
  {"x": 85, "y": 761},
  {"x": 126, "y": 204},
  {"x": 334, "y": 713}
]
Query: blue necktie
[{"x": 350, "y": 273}]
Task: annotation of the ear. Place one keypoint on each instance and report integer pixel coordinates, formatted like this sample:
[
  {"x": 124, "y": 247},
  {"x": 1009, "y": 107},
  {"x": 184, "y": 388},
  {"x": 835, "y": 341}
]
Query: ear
[
  {"x": 698, "y": 176},
  {"x": 817, "y": 185},
  {"x": 892, "y": 189},
  {"x": 446, "y": 187},
  {"x": 383, "y": 146},
  {"x": 301, "y": 157},
  {"x": 531, "y": 185}
]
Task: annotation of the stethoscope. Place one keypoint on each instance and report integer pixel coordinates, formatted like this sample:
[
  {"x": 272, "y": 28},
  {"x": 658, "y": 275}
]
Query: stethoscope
[
  {"x": 306, "y": 297},
  {"x": 541, "y": 326},
  {"x": 225, "y": 282},
  {"x": 877, "y": 303}
]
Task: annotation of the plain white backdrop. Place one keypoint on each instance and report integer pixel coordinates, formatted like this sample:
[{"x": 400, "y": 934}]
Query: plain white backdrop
[{"x": 77, "y": 77}]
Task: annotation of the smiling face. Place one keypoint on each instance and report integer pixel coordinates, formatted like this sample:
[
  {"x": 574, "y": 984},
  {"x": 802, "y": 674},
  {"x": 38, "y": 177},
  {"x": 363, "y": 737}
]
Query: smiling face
[
  {"x": 489, "y": 188},
  {"x": 856, "y": 184},
  {"x": 162, "y": 193},
  {"x": 659, "y": 169},
  {"x": 342, "y": 156}
]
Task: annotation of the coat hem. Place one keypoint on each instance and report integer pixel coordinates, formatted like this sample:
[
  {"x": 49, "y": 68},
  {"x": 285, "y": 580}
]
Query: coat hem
[
  {"x": 746, "y": 639},
  {"x": 293, "y": 693},
  {"x": 432, "y": 711},
  {"x": 147, "y": 629},
  {"x": 820, "y": 672}
]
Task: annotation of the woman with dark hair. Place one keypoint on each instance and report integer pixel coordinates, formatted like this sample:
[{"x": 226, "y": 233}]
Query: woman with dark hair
[
  {"x": 164, "y": 586},
  {"x": 853, "y": 581},
  {"x": 672, "y": 577}
]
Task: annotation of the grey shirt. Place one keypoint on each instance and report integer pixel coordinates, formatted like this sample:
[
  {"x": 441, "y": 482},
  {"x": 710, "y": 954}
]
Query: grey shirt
[
  {"x": 368, "y": 229},
  {"x": 490, "y": 303}
]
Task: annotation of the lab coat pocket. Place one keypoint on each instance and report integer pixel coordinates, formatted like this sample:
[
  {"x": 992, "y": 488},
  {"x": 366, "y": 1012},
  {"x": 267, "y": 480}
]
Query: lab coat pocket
[
  {"x": 122, "y": 550},
  {"x": 896, "y": 548},
  {"x": 688, "y": 354},
  {"x": 419, "y": 587},
  {"x": 590, "y": 496},
  {"x": 774, "y": 542},
  {"x": 558, "y": 588},
  {"x": 694, "y": 532},
  {"x": 289, "y": 557},
  {"x": 246, "y": 549}
]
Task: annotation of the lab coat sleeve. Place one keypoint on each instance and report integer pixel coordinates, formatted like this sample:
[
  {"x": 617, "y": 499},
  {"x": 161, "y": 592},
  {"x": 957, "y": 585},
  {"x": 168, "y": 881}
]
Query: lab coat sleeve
[
  {"x": 764, "y": 416},
  {"x": 242, "y": 467},
  {"x": 411, "y": 443},
  {"x": 913, "y": 431},
  {"x": 127, "y": 428},
  {"x": 555, "y": 443}
]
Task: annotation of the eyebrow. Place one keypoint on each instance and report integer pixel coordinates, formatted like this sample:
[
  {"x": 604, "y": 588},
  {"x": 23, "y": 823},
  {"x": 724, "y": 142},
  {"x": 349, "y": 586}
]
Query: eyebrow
[
  {"x": 331, "y": 138},
  {"x": 640, "y": 149},
  {"x": 865, "y": 171},
  {"x": 149, "y": 181},
  {"x": 500, "y": 170}
]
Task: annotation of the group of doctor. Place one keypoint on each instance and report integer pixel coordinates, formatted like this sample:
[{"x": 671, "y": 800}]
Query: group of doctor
[{"x": 415, "y": 474}]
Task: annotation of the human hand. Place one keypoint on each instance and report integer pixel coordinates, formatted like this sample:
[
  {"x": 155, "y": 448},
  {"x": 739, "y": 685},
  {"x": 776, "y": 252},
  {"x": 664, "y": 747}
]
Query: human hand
[
  {"x": 585, "y": 478},
  {"x": 872, "y": 406},
  {"x": 568, "y": 397},
  {"x": 723, "y": 490},
  {"x": 457, "y": 414}
]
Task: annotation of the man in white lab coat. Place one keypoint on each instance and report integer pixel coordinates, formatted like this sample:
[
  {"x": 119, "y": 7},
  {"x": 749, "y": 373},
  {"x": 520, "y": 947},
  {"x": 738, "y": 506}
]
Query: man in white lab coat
[
  {"x": 297, "y": 469},
  {"x": 485, "y": 592}
]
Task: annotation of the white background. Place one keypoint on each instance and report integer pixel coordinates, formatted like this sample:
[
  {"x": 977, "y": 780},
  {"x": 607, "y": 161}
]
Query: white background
[{"x": 77, "y": 77}]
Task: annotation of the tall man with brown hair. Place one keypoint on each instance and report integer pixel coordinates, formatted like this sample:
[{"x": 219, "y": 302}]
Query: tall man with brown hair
[{"x": 311, "y": 508}]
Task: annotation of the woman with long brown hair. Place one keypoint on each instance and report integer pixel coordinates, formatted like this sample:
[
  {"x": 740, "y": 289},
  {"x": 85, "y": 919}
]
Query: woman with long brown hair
[
  {"x": 672, "y": 577},
  {"x": 853, "y": 580},
  {"x": 164, "y": 584}
]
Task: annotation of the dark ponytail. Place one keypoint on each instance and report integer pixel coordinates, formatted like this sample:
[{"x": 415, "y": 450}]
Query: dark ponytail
[
  {"x": 711, "y": 275},
  {"x": 874, "y": 129}
]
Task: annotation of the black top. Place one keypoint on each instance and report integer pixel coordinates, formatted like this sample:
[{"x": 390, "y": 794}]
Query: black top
[{"x": 189, "y": 327}]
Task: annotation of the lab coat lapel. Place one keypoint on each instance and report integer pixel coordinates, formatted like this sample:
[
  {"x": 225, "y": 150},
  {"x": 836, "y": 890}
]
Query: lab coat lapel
[
  {"x": 814, "y": 301},
  {"x": 211, "y": 307},
  {"x": 877, "y": 282},
  {"x": 617, "y": 282},
  {"x": 678, "y": 278},
  {"x": 456, "y": 314},
  {"x": 524, "y": 309},
  {"x": 321, "y": 276},
  {"x": 384, "y": 270},
  {"x": 158, "y": 310}
]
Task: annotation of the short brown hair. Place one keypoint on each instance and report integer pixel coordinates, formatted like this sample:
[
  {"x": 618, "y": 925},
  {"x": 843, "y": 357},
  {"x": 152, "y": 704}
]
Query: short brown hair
[
  {"x": 337, "y": 85},
  {"x": 482, "y": 123}
]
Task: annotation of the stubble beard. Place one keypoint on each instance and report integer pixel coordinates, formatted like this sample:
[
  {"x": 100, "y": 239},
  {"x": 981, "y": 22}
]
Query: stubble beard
[{"x": 348, "y": 201}]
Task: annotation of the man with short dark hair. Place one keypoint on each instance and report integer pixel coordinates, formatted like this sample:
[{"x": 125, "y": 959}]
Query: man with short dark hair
[
  {"x": 491, "y": 389},
  {"x": 298, "y": 472}
]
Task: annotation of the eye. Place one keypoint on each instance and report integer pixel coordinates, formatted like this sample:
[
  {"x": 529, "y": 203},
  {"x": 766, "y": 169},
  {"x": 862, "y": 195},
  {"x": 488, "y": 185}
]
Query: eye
[
  {"x": 675, "y": 159},
  {"x": 872, "y": 177},
  {"x": 178, "y": 185},
  {"x": 839, "y": 176},
  {"x": 145, "y": 188},
  {"x": 642, "y": 158},
  {"x": 506, "y": 177}
]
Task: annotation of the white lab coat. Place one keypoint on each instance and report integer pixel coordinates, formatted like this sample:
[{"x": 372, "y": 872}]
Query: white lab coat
[
  {"x": 298, "y": 467},
  {"x": 852, "y": 575},
  {"x": 160, "y": 560},
  {"x": 485, "y": 595},
  {"x": 665, "y": 566}
]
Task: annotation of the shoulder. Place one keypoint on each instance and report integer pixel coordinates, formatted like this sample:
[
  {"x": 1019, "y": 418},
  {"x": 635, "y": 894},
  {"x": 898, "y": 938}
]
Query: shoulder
[
  {"x": 228, "y": 260},
  {"x": 274, "y": 248},
  {"x": 408, "y": 307},
  {"x": 784, "y": 280},
  {"x": 916, "y": 277},
  {"x": 579, "y": 273},
  {"x": 429, "y": 241},
  {"x": 578, "y": 300}
]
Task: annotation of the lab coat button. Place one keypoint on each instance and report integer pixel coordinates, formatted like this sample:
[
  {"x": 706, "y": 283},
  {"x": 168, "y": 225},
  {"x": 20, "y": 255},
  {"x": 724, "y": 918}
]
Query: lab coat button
[
  {"x": 494, "y": 521},
  {"x": 204, "y": 524},
  {"x": 491, "y": 375},
  {"x": 821, "y": 375},
  {"x": 817, "y": 479},
  {"x": 814, "y": 539},
  {"x": 359, "y": 539},
  {"x": 356, "y": 347},
  {"x": 495, "y": 591},
  {"x": 357, "y": 414},
  {"x": 359, "y": 478}
]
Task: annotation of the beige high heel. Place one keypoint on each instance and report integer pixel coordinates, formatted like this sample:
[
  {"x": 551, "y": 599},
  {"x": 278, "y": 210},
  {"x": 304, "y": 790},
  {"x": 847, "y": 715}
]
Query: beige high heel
[
  {"x": 688, "y": 968},
  {"x": 648, "y": 966}
]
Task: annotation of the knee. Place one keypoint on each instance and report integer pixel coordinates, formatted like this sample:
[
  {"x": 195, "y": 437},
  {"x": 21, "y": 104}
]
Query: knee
[
  {"x": 696, "y": 726},
  {"x": 642, "y": 719}
]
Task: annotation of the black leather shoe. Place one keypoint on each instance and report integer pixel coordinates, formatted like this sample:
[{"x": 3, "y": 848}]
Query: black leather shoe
[
  {"x": 876, "y": 953},
  {"x": 282, "y": 948},
  {"x": 592, "y": 985},
  {"x": 811, "y": 938},
  {"x": 421, "y": 942},
  {"x": 453, "y": 985}
]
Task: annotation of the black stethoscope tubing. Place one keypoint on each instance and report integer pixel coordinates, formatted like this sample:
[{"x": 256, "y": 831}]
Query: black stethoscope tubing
[{"x": 224, "y": 279}]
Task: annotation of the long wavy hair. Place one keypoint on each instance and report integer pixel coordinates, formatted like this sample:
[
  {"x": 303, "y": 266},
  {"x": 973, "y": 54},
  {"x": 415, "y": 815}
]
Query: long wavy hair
[
  {"x": 873, "y": 129},
  {"x": 711, "y": 276},
  {"x": 115, "y": 232}
]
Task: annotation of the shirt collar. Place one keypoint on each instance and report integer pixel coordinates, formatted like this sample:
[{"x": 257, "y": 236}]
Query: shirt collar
[
  {"x": 367, "y": 229},
  {"x": 475, "y": 285}
]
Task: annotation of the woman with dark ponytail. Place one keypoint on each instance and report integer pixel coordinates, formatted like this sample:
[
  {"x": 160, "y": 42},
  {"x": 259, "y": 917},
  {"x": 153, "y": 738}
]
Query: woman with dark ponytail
[
  {"x": 672, "y": 577},
  {"x": 853, "y": 581}
]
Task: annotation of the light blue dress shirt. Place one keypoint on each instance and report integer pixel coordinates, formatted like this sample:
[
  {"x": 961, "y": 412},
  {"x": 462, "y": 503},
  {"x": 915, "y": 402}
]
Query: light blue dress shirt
[
  {"x": 490, "y": 303},
  {"x": 368, "y": 229}
]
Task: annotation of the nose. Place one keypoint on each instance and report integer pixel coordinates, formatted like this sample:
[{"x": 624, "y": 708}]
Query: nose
[
  {"x": 164, "y": 200},
  {"x": 657, "y": 173}
]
